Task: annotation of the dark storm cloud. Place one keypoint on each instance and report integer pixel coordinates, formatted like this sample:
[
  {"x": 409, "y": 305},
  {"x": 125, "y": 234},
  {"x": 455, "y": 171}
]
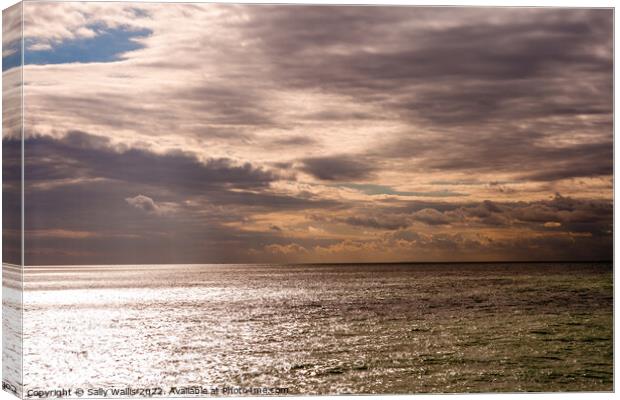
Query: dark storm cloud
[
  {"x": 83, "y": 155},
  {"x": 333, "y": 168}
]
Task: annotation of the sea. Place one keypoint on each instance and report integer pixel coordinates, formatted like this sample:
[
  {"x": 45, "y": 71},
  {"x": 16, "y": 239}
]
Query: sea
[{"x": 309, "y": 329}]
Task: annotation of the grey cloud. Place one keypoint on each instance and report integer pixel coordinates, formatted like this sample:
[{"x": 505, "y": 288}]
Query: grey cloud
[
  {"x": 523, "y": 44},
  {"x": 333, "y": 115},
  {"x": 561, "y": 214},
  {"x": 470, "y": 82},
  {"x": 502, "y": 152},
  {"x": 334, "y": 168},
  {"x": 572, "y": 215},
  {"x": 374, "y": 189},
  {"x": 80, "y": 154},
  {"x": 226, "y": 104},
  {"x": 382, "y": 222},
  {"x": 577, "y": 215},
  {"x": 294, "y": 141},
  {"x": 178, "y": 174},
  {"x": 462, "y": 247},
  {"x": 431, "y": 216}
]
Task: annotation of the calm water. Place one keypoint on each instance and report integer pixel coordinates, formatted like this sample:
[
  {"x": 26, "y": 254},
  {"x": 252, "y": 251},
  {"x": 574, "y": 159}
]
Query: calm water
[{"x": 322, "y": 328}]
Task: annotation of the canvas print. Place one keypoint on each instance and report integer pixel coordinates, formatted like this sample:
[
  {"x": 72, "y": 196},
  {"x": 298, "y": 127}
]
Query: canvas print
[{"x": 207, "y": 199}]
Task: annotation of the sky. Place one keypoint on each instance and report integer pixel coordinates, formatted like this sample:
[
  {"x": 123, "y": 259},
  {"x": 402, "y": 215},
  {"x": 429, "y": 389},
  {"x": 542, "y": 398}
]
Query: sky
[{"x": 204, "y": 133}]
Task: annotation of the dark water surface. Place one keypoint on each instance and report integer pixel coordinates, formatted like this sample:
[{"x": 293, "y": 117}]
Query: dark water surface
[{"x": 392, "y": 328}]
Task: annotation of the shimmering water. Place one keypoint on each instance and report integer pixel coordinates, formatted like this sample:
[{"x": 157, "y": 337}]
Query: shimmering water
[{"x": 321, "y": 328}]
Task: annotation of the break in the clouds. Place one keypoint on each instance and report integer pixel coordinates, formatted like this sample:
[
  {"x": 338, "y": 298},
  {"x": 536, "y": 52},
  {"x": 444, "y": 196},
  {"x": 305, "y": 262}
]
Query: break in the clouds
[{"x": 253, "y": 133}]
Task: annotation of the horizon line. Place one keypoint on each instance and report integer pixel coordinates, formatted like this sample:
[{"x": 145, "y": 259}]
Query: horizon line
[{"x": 328, "y": 263}]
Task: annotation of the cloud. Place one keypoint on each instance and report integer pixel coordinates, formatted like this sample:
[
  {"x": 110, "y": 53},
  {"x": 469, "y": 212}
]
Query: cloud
[
  {"x": 294, "y": 141},
  {"x": 81, "y": 154},
  {"x": 382, "y": 222},
  {"x": 50, "y": 24},
  {"x": 531, "y": 87},
  {"x": 285, "y": 249},
  {"x": 407, "y": 245},
  {"x": 333, "y": 168},
  {"x": 148, "y": 205},
  {"x": 594, "y": 216},
  {"x": 431, "y": 216},
  {"x": 374, "y": 189}
]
